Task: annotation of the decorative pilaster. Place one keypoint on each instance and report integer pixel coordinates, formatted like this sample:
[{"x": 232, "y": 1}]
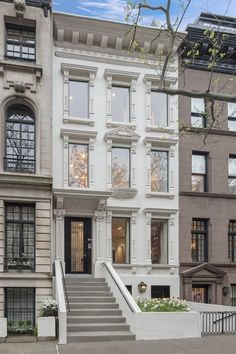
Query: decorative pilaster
[
  {"x": 148, "y": 167},
  {"x": 172, "y": 244},
  {"x": 109, "y": 161},
  {"x": 133, "y": 230},
  {"x": 66, "y": 94},
  {"x": 171, "y": 168},
  {"x": 66, "y": 160},
  {"x": 133, "y": 164},
  {"x": 91, "y": 95},
  {"x": 133, "y": 101},
  {"x": 109, "y": 88},
  {"x": 59, "y": 215},
  {"x": 109, "y": 236},
  {"x": 91, "y": 163},
  {"x": 99, "y": 232},
  {"x": 148, "y": 102}
]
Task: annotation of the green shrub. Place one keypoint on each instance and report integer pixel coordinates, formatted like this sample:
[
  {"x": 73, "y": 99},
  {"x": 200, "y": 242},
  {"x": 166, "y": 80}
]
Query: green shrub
[{"x": 162, "y": 305}]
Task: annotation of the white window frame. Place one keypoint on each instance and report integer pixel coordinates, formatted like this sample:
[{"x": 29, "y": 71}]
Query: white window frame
[
  {"x": 78, "y": 73},
  {"x": 123, "y": 79},
  {"x": 78, "y": 137},
  {"x": 152, "y": 84},
  {"x": 168, "y": 145}
]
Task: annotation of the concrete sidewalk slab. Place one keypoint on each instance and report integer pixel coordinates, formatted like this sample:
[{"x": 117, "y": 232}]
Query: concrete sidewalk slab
[
  {"x": 28, "y": 348},
  {"x": 209, "y": 345}
]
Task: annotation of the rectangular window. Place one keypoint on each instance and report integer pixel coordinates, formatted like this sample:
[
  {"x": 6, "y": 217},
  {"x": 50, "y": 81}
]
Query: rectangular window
[
  {"x": 120, "y": 167},
  {"x": 159, "y": 242},
  {"x": 199, "y": 240},
  {"x": 233, "y": 294},
  {"x": 20, "y": 42},
  {"x": 232, "y": 241},
  {"x": 159, "y": 106},
  {"x": 120, "y": 240},
  {"x": 20, "y": 307},
  {"x": 78, "y": 165},
  {"x": 159, "y": 171},
  {"x": 120, "y": 104},
  {"x": 232, "y": 174},
  {"x": 20, "y": 237},
  {"x": 198, "y": 114},
  {"x": 232, "y": 116},
  {"x": 160, "y": 291},
  {"x": 78, "y": 99},
  {"x": 199, "y": 172}
]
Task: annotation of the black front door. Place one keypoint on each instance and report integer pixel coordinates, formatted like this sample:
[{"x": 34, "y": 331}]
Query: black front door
[{"x": 78, "y": 245}]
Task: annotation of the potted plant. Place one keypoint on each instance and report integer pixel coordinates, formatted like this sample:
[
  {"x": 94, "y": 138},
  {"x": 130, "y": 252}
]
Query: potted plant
[{"x": 46, "y": 322}]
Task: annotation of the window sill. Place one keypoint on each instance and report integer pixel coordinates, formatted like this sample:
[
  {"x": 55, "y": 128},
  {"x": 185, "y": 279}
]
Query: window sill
[
  {"x": 123, "y": 193},
  {"x": 160, "y": 195},
  {"x": 77, "y": 120},
  {"x": 112, "y": 124},
  {"x": 156, "y": 128}
]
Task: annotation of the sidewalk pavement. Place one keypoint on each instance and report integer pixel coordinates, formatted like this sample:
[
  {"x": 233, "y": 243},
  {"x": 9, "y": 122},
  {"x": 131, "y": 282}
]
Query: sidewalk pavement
[{"x": 209, "y": 345}]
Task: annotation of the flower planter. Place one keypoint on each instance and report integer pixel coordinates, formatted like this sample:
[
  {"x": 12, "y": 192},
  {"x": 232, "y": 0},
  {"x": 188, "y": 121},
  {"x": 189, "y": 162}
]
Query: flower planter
[
  {"x": 3, "y": 329},
  {"x": 46, "y": 328}
]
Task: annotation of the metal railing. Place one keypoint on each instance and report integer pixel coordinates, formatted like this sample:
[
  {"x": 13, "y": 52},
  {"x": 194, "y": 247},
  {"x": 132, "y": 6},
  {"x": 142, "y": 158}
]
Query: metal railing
[
  {"x": 218, "y": 322},
  {"x": 64, "y": 286},
  {"x": 19, "y": 165},
  {"x": 19, "y": 263}
]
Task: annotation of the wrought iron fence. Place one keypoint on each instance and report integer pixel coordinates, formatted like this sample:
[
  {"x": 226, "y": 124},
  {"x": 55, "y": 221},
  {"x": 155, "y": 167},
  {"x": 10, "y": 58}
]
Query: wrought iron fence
[{"x": 216, "y": 323}]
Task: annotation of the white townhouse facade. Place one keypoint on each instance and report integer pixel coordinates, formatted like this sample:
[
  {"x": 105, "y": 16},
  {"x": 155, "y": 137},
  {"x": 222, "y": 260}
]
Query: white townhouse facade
[
  {"x": 25, "y": 164},
  {"x": 115, "y": 155}
]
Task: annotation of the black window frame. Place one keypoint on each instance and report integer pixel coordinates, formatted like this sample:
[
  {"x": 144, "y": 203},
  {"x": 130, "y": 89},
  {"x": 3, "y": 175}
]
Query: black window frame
[
  {"x": 22, "y": 262},
  {"x": 165, "y": 289},
  {"x": 232, "y": 242},
  {"x": 205, "y": 175},
  {"x": 199, "y": 115},
  {"x": 19, "y": 161},
  {"x": 196, "y": 255},
  {"x": 24, "y": 28},
  {"x": 27, "y": 302}
]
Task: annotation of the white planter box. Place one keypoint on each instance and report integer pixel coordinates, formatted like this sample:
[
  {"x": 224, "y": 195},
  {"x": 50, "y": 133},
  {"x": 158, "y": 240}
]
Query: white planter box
[
  {"x": 3, "y": 329},
  {"x": 46, "y": 327}
]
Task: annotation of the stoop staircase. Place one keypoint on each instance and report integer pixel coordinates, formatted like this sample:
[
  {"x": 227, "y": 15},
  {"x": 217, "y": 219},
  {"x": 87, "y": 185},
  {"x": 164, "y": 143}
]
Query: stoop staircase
[{"x": 94, "y": 314}]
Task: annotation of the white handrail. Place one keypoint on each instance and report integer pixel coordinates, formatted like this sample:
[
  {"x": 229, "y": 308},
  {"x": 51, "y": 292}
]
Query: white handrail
[
  {"x": 122, "y": 288},
  {"x": 61, "y": 304}
]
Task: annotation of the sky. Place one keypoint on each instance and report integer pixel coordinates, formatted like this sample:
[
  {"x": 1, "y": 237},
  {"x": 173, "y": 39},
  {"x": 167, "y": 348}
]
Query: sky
[{"x": 114, "y": 9}]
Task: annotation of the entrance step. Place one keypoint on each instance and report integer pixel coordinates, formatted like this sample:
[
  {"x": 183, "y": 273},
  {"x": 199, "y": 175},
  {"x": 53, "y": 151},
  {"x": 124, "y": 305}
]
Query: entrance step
[{"x": 94, "y": 314}]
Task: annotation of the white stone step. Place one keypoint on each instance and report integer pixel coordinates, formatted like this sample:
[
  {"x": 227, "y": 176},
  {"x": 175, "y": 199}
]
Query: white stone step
[
  {"x": 74, "y": 337},
  {"x": 95, "y": 319},
  {"x": 94, "y": 305},
  {"x": 89, "y": 293},
  {"x": 97, "y": 327},
  {"x": 95, "y": 312}
]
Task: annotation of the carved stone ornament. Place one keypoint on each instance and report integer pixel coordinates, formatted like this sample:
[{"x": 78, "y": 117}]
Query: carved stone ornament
[
  {"x": 20, "y": 7},
  {"x": 19, "y": 87},
  {"x": 122, "y": 133},
  {"x": 123, "y": 193}
]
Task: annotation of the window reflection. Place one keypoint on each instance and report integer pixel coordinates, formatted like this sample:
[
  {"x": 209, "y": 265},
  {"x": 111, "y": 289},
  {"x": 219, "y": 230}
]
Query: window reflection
[
  {"x": 120, "y": 240},
  {"x": 159, "y": 171},
  {"x": 232, "y": 116},
  {"x": 232, "y": 175},
  {"x": 120, "y": 167},
  {"x": 78, "y": 165},
  {"x": 159, "y": 242},
  {"x": 120, "y": 104},
  {"x": 159, "y": 109},
  {"x": 78, "y": 99},
  {"x": 198, "y": 119},
  {"x": 198, "y": 173}
]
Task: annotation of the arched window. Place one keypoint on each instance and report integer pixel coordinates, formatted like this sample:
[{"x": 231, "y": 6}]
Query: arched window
[{"x": 20, "y": 139}]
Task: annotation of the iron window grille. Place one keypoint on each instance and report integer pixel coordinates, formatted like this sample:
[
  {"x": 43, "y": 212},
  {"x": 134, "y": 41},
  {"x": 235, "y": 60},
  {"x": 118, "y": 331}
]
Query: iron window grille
[
  {"x": 199, "y": 240},
  {"x": 20, "y": 306},
  {"x": 199, "y": 172},
  {"x": 232, "y": 241},
  {"x": 20, "y": 42},
  {"x": 20, "y": 237},
  {"x": 20, "y": 140}
]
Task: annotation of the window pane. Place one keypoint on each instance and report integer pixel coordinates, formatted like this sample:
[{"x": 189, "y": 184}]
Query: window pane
[
  {"x": 78, "y": 165},
  {"x": 159, "y": 242},
  {"x": 197, "y": 122},
  {"x": 78, "y": 99},
  {"x": 20, "y": 41},
  {"x": 232, "y": 185},
  {"x": 159, "y": 171},
  {"x": 197, "y": 105},
  {"x": 232, "y": 109},
  {"x": 232, "y": 125},
  {"x": 198, "y": 183},
  {"x": 199, "y": 241},
  {"x": 232, "y": 167},
  {"x": 120, "y": 168},
  {"x": 120, "y": 240},
  {"x": 120, "y": 104},
  {"x": 159, "y": 109},
  {"x": 160, "y": 291},
  {"x": 199, "y": 164}
]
